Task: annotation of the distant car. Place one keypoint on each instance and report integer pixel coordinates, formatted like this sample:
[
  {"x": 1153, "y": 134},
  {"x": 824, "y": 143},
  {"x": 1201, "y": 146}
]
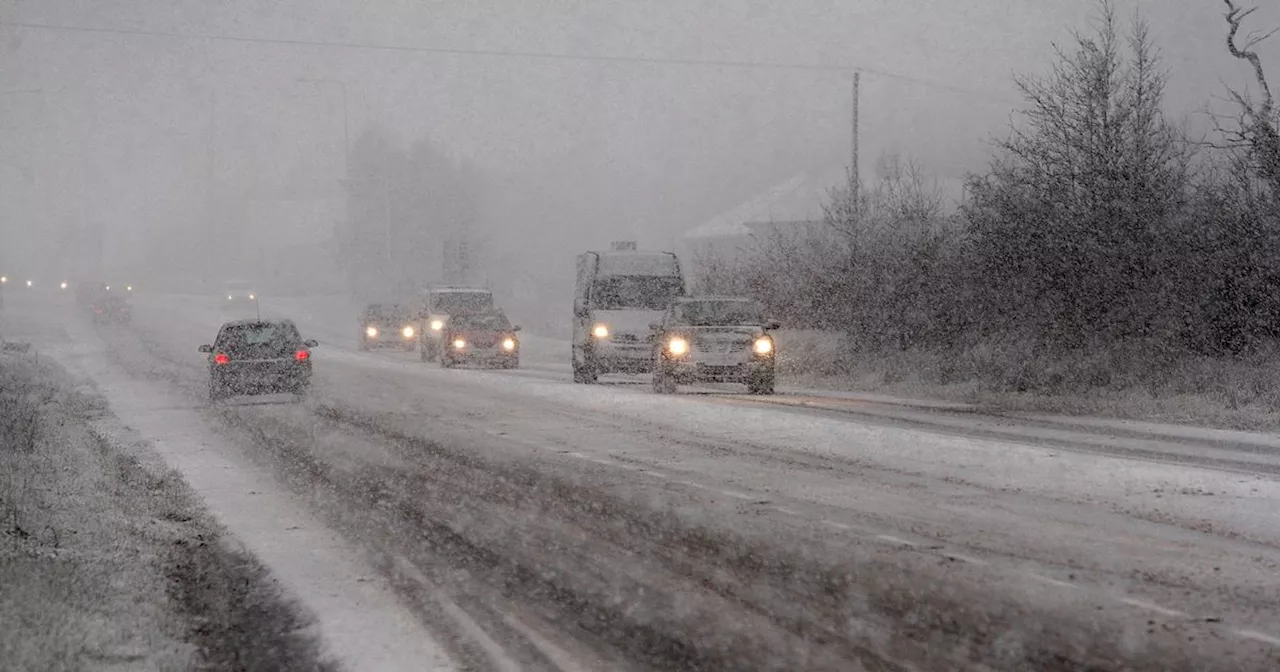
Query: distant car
[
  {"x": 258, "y": 357},
  {"x": 238, "y": 294},
  {"x": 111, "y": 309},
  {"x": 388, "y": 325},
  {"x": 487, "y": 338},
  {"x": 714, "y": 339}
]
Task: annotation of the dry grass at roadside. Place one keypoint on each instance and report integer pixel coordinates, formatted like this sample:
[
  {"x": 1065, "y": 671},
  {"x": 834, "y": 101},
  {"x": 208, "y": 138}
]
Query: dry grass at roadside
[
  {"x": 110, "y": 563},
  {"x": 1137, "y": 381}
]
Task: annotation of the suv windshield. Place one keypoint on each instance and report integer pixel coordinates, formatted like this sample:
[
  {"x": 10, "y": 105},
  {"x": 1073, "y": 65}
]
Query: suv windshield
[
  {"x": 267, "y": 338},
  {"x": 643, "y": 292},
  {"x": 462, "y": 302},
  {"x": 718, "y": 313},
  {"x": 481, "y": 322}
]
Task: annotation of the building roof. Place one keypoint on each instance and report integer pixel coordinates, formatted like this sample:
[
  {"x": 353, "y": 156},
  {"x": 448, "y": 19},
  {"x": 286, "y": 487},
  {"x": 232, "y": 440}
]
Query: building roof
[{"x": 798, "y": 202}]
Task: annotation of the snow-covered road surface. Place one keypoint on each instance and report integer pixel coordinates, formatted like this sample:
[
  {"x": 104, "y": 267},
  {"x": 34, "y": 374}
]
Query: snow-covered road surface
[{"x": 618, "y": 524}]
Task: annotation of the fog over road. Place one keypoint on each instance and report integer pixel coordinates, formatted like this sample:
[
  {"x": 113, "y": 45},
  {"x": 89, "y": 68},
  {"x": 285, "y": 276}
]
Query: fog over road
[{"x": 530, "y": 523}]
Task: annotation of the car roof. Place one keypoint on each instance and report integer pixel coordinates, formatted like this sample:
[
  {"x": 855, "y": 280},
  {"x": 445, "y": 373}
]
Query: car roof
[{"x": 253, "y": 322}]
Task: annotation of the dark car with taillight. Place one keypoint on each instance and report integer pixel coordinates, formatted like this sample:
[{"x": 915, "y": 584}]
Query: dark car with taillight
[
  {"x": 108, "y": 308},
  {"x": 388, "y": 325},
  {"x": 258, "y": 357},
  {"x": 714, "y": 339},
  {"x": 486, "y": 338}
]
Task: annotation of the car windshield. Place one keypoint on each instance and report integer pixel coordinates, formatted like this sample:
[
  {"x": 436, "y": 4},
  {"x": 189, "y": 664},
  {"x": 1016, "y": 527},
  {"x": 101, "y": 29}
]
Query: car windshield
[
  {"x": 481, "y": 322},
  {"x": 718, "y": 313},
  {"x": 642, "y": 292},
  {"x": 387, "y": 314},
  {"x": 258, "y": 337},
  {"x": 462, "y": 302}
]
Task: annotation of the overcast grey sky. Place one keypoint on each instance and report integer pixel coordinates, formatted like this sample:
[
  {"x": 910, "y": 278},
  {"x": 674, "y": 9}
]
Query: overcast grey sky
[{"x": 579, "y": 148}]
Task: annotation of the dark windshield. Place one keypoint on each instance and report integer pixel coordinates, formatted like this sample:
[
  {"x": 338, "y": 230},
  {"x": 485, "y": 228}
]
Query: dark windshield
[
  {"x": 387, "y": 314},
  {"x": 462, "y": 302},
  {"x": 259, "y": 338},
  {"x": 718, "y": 313},
  {"x": 481, "y": 321},
  {"x": 643, "y": 292}
]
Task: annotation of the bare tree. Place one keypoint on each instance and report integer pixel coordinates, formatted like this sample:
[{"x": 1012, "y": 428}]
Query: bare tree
[{"x": 1255, "y": 130}]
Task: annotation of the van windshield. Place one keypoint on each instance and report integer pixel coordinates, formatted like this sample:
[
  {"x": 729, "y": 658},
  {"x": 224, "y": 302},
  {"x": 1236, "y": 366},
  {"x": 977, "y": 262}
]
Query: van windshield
[{"x": 636, "y": 292}]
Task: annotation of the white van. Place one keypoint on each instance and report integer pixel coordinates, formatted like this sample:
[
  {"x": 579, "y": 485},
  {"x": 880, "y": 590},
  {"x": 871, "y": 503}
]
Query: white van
[{"x": 618, "y": 294}]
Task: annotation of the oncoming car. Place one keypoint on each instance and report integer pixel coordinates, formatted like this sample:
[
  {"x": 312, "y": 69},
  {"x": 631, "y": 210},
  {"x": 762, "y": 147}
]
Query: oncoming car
[
  {"x": 388, "y": 326},
  {"x": 486, "y": 338},
  {"x": 237, "y": 294},
  {"x": 713, "y": 339},
  {"x": 258, "y": 357}
]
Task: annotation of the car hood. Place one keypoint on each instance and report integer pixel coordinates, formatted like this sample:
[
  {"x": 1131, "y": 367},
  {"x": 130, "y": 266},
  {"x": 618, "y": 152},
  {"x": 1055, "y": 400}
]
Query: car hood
[
  {"x": 751, "y": 329},
  {"x": 627, "y": 321}
]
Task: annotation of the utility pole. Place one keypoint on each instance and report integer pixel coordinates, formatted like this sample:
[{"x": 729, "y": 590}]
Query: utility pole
[{"x": 854, "y": 176}]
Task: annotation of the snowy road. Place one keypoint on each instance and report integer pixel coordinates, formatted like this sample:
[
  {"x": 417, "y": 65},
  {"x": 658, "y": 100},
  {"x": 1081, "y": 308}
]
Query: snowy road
[{"x": 536, "y": 524}]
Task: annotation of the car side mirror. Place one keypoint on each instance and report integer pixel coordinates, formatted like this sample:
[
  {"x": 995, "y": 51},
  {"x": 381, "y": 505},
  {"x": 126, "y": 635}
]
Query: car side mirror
[
  {"x": 206, "y": 349},
  {"x": 579, "y": 308},
  {"x": 515, "y": 328},
  {"x": 311, "y": 343}
]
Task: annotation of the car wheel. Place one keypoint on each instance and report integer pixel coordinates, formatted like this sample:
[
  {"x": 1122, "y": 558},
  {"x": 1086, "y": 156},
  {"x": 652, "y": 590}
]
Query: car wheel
[
  {"x": 364, "y": 346},
  {"x": 584, "y": 372},
  {"x": 761, "y": 383},
  {"x": 216, "y": 392},
  {"x": 300, "y": 393},
  {"x": 446, "y": 362},
  {"x": 662, "y": 383},
  {"x": 422, "y": 354}
]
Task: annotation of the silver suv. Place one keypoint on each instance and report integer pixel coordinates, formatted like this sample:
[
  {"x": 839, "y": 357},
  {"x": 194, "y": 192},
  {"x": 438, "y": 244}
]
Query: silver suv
[{"x": 714, "y": 339}]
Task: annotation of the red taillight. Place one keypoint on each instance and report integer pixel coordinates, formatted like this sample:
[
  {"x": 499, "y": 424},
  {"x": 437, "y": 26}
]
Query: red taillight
[
  {"x": 221, "y": 358},
  {"x": 301, "y": 355}
]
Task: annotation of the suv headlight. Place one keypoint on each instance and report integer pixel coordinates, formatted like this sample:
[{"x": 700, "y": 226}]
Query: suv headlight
[
  {"x": 371, "y": 332},
  {"x": 600, "y": 331},
  {"x": 437, "y": 325},
  {"x": 509, "y": 344},
  {"x": 408, "y": 332},
  {"x": 459, "y": 344},
  {"x": 678, "y": 346},
  {"x": 763, "y": 346}
]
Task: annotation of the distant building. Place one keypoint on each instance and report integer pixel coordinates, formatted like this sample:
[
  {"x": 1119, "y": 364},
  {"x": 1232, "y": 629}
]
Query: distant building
[{"x": 793, "y": 210}]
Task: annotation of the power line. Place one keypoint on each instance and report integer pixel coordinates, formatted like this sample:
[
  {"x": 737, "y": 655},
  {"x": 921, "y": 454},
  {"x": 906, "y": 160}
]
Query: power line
[{"x": 498, "y": 53}]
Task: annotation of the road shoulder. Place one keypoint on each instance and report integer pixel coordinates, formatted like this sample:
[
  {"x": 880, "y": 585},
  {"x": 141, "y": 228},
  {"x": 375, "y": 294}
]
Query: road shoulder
[{"x": 107, "y": 558}]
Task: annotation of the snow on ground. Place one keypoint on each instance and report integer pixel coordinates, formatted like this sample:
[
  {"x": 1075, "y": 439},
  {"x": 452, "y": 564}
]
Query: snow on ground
[
  {"x": 359, "y": 617},
  {"x": 1055, "y": 515},
  {"x": 1101, "y": 510}
]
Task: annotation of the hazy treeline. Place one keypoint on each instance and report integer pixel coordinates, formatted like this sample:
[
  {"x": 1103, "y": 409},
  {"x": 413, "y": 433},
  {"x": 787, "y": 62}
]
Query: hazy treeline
[{"x": 1098, "y": 226}]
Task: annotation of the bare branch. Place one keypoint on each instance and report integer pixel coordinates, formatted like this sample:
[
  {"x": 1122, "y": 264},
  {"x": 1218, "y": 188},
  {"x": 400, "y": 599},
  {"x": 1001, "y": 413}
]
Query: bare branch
[{"x": 1235, "y": 16}]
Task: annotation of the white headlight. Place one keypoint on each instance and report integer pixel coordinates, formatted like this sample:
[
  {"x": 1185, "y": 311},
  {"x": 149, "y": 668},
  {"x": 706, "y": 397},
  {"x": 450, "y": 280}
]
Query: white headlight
[
  {"x": 63, "y": 285},
  {"x": 677, "y": 346},
  {"x": 252, "y": 297},
  {"x": 763, "y": 346},
  {"x": 459, "y": 344},
  {"x": 28, "y": 283},
  {"x": 371, "y": 332},
  {"x": 437, "y": 325},
  {"x": 509, "y": 344},
  {"x": 600, "y": 331},
  {"x": 408, "y": 332}
]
